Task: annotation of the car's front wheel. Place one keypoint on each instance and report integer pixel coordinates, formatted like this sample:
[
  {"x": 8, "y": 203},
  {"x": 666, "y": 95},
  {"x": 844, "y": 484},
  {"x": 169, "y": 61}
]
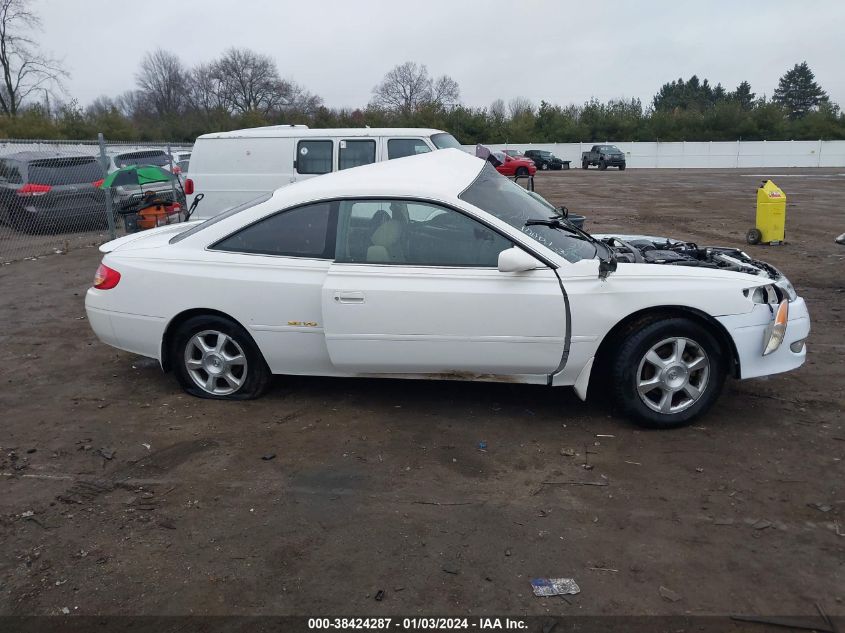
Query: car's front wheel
[
  {"x": 602, "y": 164},
  {"x": 522, "y": 171},
  {"x": 544, "y": 166},
  {"x": 214, "y": 357},
  {"x": 668, "y": 372}
]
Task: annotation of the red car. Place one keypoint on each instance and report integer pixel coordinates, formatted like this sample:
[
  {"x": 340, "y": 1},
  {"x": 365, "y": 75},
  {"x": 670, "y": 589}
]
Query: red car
[{"x": 511, "y": 166}]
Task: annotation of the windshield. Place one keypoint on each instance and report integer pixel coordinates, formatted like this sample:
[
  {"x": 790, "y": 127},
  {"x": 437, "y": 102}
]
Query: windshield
[
  {"x": 509, "y": 202},
  {"x": 611, "y": 148},
  {"x": 221, "y": 216},
  {"x": 445, "y": 141}
]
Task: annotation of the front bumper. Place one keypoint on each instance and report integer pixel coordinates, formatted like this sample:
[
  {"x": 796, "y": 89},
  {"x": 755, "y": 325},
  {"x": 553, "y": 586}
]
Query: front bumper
[{"x": 749, "y": 330}]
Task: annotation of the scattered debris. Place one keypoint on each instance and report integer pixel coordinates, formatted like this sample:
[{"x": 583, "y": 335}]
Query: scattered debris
[
  {"x": 268, "y": 457},
  {"x": 450, "y": 570},
  {"x": 65, "y": 610},
  {"x": 27, "y": 514},
  {"x": 602, "y": 435},
  {"x": 482, "y": 445},
  {"x": 668, "y": 594},
  {"x": 762, "y": 524},
  {"x": 106, "y": 453},
  {"x": 545, "y": 587},
  {"x": 634, "y": 463},
  {"x": 147, "y": 446},
  {"x": 567, "y": 452},
  {"x": 507, "y": 552},
  {"x": 442, "y": 503},
  {"x": 821, "y": 507},
  {"x": 575, "y": 483},
  {"x": 380, "y": 595},
  {"x": 699, "y": 470},
  {"x": 603, "y": 569}
]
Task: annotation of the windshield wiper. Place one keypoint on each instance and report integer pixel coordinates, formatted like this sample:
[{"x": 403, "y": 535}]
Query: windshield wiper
[
  {"x": 608, "y": 263},
  {"x": 557, "y": 223}
]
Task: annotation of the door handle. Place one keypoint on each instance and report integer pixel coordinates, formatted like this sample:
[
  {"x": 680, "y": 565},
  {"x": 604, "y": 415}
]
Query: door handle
[{"x": 349, "y": 297}]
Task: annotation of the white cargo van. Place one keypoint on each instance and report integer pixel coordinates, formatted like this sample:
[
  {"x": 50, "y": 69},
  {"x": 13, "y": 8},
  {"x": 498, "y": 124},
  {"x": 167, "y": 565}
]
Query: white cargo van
[{"x": 231, "y": 168}]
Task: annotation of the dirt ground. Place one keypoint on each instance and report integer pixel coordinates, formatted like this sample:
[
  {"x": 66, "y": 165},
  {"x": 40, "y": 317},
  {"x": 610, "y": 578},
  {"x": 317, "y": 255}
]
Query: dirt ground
[{"x": 119, "y": 494}]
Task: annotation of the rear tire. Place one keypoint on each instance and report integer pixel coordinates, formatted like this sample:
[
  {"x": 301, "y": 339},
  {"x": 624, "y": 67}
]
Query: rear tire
[
  {"x": 584, "y": 164},
  {"x": 659, "y": 387},
  {"x": 214, "y": 357}
]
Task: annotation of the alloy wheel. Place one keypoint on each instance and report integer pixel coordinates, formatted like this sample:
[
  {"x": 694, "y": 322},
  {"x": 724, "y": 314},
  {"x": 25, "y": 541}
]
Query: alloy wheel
[
  {"x": 673, "y": 375},
  {"x": 215, "y": 362}
]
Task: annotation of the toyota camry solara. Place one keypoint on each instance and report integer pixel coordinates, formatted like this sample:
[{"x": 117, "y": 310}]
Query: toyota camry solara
[{"x": 435, "y": 266}]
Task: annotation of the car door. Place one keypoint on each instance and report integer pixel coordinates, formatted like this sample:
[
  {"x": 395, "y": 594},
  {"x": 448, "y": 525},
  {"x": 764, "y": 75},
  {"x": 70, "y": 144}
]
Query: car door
[{"x": 415, "y": 288}]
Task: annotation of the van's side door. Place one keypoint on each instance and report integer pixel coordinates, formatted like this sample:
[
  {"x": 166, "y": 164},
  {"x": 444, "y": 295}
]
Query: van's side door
[
  {"x": 354, "y": 152},
  {"x": 313, "y": 157}
]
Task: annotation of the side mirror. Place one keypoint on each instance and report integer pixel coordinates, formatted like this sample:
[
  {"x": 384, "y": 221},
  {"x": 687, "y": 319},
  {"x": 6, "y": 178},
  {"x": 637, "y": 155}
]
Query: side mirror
[
  {"x": 564, "y": 212},
  {"x": 516, "y": 260}
]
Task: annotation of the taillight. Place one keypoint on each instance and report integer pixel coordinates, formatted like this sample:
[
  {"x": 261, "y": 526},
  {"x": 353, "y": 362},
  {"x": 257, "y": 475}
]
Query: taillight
[
  {"x": 98, "y": 183},
  {"x": 32, "y": 189},
  {"x": 189, "y": 187},
  {"x": 105, "y": 277},
  {"x": 177, "y": 169}
]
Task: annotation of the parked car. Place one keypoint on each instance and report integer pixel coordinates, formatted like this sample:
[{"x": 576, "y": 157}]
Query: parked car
[
  {"x": 41, "y": 190},
  {"x": 127, "y": 197},
  {"x": 437, "y": 267},
  {"x": 604, "y": 156},
  {"x": 510, "y": 166},
  {"x": 230, "y": 168},
  {"x": 546, "y": 160},
  {"x": 513, "y": 153}
]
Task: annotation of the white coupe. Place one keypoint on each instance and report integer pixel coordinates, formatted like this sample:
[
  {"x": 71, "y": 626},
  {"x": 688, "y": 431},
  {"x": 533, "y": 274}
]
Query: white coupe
[{"x": 435, "y": 266}]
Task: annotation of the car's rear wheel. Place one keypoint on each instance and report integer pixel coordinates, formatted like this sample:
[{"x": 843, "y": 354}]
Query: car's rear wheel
[
  {"x": 602, "y": 164},
  {"x": 668, "y": 372},
  {"x": 584, "y": 164},
  {"x": 214, "y": 357}
]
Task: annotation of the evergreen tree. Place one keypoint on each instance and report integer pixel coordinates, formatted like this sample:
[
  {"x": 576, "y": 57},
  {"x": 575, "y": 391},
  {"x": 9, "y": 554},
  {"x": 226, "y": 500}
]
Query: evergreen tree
[
  {"x": 743, "y": 96},
  {"x": 798, "y": 91}
]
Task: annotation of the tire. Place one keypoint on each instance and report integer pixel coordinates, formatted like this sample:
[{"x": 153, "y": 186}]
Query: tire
[
  {"x": 672, "y": 402},
  {"x": 522, "y": 171},
  {"x": 544, "y": 166},
  {"x": 754, "y": 236},
  {"x": 584, "y": 164},
  {"x": 233, "y": 380},
  {"x": 602, "y": 165},
  {"x": 622, "y": 167}
]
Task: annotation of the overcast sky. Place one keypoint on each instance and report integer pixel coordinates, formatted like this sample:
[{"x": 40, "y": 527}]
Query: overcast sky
[{"x": 563, "y": 52}]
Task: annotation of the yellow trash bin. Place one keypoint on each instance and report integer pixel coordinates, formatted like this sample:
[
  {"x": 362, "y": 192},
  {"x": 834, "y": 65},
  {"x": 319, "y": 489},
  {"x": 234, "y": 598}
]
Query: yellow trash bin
[{"x": 771, "y": 215}]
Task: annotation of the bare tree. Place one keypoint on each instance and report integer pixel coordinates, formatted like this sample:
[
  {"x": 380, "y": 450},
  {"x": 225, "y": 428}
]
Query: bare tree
[
  {"x": 161, "y": 80},
  {"x": 446, "y": 92},
  {"x": 203, "y": 89},
  {"x": 407, "y": 87},
  {"x": 26, "y": 71},
  {"x": 497, "y": 111},
  {"x": 250, "y": 82},
  {"x": 519, "y": 106}
]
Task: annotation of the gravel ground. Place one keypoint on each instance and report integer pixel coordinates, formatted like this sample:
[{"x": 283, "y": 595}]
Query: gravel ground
[{"x": 122, "y": 495}]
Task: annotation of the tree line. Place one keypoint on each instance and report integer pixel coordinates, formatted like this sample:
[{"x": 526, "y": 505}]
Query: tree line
[{"x": 244, "y": 88}]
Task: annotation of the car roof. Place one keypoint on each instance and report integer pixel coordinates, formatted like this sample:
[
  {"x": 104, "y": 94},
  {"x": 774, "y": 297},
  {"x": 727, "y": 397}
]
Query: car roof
[
  {"x": 440, "y": 174},
  {"x": 29, "y": 155},
  {"x": 288, "y": 131}
]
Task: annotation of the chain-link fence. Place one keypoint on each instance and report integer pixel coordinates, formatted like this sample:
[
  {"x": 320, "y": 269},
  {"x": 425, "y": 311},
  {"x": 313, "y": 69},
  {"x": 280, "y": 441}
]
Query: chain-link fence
[{"x": 60, "y": 195}]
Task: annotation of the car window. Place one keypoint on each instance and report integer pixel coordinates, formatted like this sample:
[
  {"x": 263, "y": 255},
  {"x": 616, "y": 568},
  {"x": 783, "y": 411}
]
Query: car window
[
  {"x": 150, "y": 157},
  {"x": 297, "y": 232},
  {"x": 401, "y": 147},
  {"x": 314, "y": 157},
  {"x": 9, "y": 172},
  {"x": 413, "y": 234},
  {"x": 445, "y": 141},
  {"x": 220, "y": 216},
  {"x": 64, "y": 171},
  {"x": 356, "y": 153},
  {"x": 504, "y": 199}
]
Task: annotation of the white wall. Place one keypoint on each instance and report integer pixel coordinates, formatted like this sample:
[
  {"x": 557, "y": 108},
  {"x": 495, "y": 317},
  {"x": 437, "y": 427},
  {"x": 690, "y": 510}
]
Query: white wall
[{"x": 705, "y": 154}]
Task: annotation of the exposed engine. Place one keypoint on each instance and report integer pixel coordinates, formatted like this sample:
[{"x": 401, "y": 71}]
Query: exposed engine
[{"x": 653, "y": 250}]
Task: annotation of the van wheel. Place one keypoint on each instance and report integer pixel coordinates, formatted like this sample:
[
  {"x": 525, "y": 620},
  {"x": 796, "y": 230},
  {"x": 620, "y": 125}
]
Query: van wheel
[
  {"x": 667, "y": 373},
  {"x": 216, "y": 358}
]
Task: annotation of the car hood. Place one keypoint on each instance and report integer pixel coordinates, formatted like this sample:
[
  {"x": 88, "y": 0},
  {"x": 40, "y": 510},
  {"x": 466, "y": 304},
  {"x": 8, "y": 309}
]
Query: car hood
[{"x": 666, "y": 251}]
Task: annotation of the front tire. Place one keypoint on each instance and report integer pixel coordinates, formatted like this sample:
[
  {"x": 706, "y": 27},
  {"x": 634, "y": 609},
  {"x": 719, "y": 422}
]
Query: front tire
[
  {"x": 544, "y": 166},
  {"x": 668, "y": 372},
  {"x": 522, "y": 171},
  {"x": 602, "y": 165},
  {"x": 622, "y": 167},
  {"x": 216, "y": 358}
]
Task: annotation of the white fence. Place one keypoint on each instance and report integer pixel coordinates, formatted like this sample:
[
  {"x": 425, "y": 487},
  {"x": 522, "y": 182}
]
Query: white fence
[{"x": 705, "y": 154}]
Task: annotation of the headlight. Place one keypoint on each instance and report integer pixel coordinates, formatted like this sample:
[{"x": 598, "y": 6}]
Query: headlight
[
  {"x": 774, "y": 334},
  {"x": 762, "y": 294},
  {"x": 786, "y": 287}
]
